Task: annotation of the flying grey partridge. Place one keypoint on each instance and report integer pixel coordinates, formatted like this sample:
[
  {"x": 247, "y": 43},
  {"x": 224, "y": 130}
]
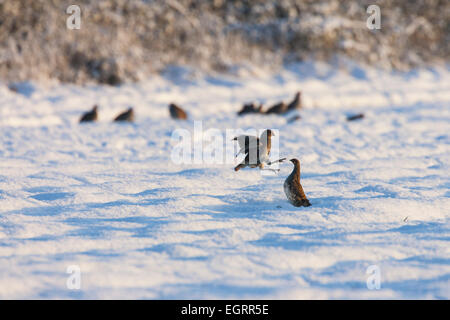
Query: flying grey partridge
[
  {"x": 293, "y": 189},
  {"x": 176, "y": 112},
  {"x": 90, "y": 116},
  {"x": 256, "y": 150},
  {"x": 126, "y": 116}
]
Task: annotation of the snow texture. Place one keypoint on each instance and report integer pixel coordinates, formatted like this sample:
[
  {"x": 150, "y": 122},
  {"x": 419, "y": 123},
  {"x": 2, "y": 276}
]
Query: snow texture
[{"x": 108, "y": 198}]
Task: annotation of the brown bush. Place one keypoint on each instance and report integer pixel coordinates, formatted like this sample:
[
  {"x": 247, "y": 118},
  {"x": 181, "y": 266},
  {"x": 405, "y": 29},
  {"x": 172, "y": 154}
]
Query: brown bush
[{"x": 123, "y": 40}]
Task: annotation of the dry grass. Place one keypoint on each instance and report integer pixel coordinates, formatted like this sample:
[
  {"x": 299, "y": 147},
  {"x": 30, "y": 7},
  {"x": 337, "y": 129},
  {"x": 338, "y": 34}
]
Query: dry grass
[{"x": 126, "y": 40}]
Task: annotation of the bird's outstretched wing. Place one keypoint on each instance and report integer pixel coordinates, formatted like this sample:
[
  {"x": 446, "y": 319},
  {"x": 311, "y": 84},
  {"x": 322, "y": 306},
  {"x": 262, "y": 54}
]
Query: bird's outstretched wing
[{"x": 247, "y": 144}]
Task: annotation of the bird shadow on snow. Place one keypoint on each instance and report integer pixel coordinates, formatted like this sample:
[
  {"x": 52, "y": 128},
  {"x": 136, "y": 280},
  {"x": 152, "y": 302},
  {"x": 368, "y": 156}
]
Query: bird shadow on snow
[{"x": 242, "y": 207}]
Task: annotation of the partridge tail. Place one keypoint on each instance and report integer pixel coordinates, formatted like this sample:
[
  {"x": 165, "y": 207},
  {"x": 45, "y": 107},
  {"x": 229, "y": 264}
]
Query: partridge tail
[
  {"x": 302, "y": 200},
  {"x": 302, "y": 193},
  {"x": 302, "y": 203}
]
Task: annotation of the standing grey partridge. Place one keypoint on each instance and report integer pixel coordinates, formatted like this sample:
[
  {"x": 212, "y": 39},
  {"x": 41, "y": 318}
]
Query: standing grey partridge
[
  {"x": 90, "y": 116},
  {"x": 281, "y": 107},
  {"x": 355, "y": 117},
  {"x": 250, "y": 108},
  {"x": 278, "y": 108},
  {"x": 176, "y": 112},
  {"x": 126, "y": 116},
  {"x": 293, "y": 188},
  {"x": 296, "y": 103}
]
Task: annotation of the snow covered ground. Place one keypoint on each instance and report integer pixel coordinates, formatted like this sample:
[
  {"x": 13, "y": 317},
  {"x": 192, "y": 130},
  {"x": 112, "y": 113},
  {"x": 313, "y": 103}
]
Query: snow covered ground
[{"x": 108, "y": 198}]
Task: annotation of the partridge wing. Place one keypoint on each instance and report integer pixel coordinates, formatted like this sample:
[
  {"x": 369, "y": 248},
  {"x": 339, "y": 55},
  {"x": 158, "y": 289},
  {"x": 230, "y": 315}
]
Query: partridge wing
[
  {"x": 247, "y": 144},
  {"x": 298, "y": 191}
]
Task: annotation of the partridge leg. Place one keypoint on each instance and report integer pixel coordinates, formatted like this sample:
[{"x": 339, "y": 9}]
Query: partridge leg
[{"x": 279, "y": 160}]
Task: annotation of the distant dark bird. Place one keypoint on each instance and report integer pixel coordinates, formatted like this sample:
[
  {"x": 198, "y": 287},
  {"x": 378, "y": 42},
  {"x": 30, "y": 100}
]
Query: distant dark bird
[
  {"x": 13, "y": 88},
  {"x": 126, "y": 116},
  {"x": 294, "y": 118},
  {"x": 282, "y": 107},
  {"x": 296, "y": 103},
  {"x": 250, "y": 108},
  {"x": 256, "y": 150},
  {"x": 293, "y": 189},
  {"x": 90, "y": 116},
  {"x": 278, "y": 108},
  {"x": 355, "y": 117},
  {"x": 176, "y": 112}
]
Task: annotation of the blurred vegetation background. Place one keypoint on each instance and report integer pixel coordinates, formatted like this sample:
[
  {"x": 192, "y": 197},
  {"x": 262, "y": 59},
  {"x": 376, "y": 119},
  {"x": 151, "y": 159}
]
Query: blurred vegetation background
[{"x": 126, "y": 40}]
